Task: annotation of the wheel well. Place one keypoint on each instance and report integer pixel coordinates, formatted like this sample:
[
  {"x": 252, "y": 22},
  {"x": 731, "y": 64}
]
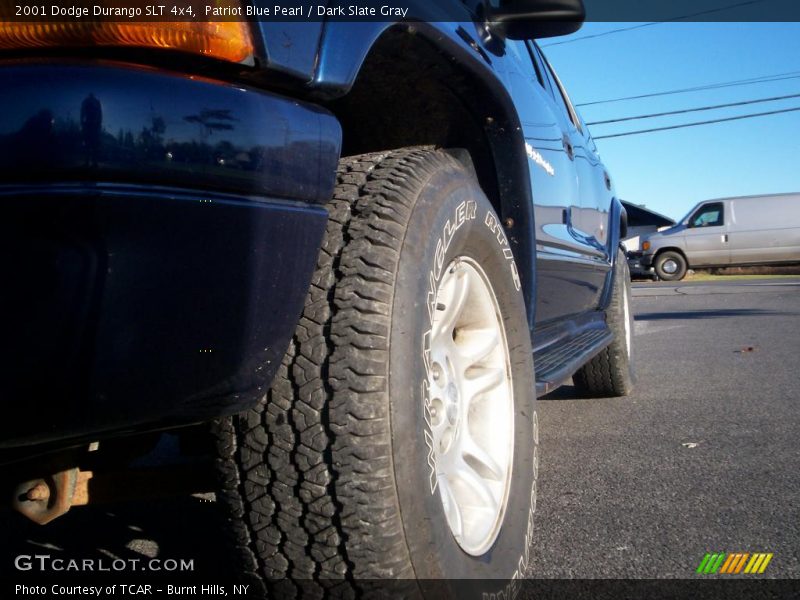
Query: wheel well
[
  {"x": 412, "y": 91},
  {"x": 408, "y": 93}
]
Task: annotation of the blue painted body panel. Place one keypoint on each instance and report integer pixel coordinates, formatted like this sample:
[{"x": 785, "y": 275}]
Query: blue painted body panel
[
  {"x": 563, "y": 258},
  {"x": 139, "y": 307},
  {"x": 564, "y": 219},
  {"x": 98, "y": 121},
  {"x": 159, "y": 233},
  {"x": 184, "y": 216}
]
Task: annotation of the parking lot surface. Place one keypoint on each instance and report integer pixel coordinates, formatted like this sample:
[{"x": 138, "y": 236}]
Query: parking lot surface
[{"x": 703, "y": 457}]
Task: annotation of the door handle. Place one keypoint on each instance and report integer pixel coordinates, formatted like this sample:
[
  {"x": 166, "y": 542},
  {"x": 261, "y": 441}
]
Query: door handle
[
  {"x": 724, "y": 238},
  {"x": 568, "y": 147}
]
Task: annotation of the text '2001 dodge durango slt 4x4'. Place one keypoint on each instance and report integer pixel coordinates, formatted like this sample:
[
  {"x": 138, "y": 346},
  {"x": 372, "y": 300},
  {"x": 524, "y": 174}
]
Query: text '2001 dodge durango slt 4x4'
[{"x": 358, "y": 249}]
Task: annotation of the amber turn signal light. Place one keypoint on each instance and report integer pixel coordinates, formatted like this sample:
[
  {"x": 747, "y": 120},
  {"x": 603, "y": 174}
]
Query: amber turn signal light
[{"x": 225, "y": 40}]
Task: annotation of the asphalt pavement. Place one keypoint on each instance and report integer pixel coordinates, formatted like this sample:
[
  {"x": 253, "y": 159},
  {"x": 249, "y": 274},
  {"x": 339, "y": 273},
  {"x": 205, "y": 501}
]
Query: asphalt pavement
[{"x": 703, "y": 457}]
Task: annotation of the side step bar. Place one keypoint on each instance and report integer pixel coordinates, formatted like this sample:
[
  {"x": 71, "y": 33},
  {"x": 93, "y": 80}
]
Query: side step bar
[{"x": 556, "y": 363}]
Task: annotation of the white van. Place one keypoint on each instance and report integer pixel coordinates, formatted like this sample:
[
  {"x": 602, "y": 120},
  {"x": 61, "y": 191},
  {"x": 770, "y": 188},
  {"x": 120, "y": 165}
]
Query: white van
[{"x": 751, "y": 230}]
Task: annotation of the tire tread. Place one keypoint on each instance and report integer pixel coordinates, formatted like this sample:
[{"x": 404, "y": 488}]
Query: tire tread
[
  {"x": 608, "y": 374},
  {"x": 307, "y": 475}
]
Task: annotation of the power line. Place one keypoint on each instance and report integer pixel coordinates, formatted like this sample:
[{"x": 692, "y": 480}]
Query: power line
[
  {"x": 698, "y": 109},
  {"x": 672, "y": 20},
  {"x": 711, "y": 86},
  {"x": 751, "y": 116},
  {"x": 602, "y": 34}
]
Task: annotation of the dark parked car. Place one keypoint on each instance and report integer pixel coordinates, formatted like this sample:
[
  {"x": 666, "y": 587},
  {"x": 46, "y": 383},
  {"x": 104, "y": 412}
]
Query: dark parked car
[
  {"x": 637, "y": 268},
  {"x": 358, "y": 249}
]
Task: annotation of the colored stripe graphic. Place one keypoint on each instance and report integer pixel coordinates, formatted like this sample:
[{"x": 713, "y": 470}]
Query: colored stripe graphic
[
  {"x": 703, "y": 563},
  {"x": 749, "y": 568},
  {"x": 737, "y": 562},
  {"x": 733, "y": 563},
  {"x": 713, "y": 567},
  {"x": 764, "y": 564},
  {"x": 710, "y": 564},
  {"x": 720, "y": 560},
  {"x": 729, "y": 563},
  {"x": 741, "y": 562}
]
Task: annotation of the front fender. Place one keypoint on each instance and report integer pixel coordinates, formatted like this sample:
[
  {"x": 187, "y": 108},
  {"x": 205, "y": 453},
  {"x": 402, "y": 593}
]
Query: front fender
[{"x": 617, "y": 228}]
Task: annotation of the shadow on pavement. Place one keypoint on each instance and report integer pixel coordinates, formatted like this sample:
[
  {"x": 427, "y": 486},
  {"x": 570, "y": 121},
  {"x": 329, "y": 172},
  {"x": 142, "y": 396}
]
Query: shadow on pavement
[
  {"x": 709, "y": 314},
  {"x": 565, "y": 392}
]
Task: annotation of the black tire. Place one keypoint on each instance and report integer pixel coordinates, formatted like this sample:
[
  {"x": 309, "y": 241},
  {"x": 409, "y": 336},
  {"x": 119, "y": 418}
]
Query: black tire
[
  {"x": 328, "y": 481},
  {"x": 610, "y": 373},
  {"x": 667, "y": 260}
]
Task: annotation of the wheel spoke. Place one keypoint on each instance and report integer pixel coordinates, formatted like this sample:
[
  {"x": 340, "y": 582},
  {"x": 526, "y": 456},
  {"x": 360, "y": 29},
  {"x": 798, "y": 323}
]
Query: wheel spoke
[
  {"x": 477, "y": 485},
  {"x": 479, "y": 380},
  {"x": 473, "y": 345},
  {"x": 452, "y": 509},
  {"x": 451, "y": 311},
  {"x": 469, "y": 447}
]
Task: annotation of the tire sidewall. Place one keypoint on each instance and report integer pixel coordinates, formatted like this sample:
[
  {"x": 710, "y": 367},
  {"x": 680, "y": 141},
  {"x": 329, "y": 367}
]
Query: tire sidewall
[
  {"x": 451, "y": 218},
  {"x": 627, "y": 322}
]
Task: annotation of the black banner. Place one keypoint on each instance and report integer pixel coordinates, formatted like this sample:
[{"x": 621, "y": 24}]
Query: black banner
[
  {"x": 59, "y": 11},
  {"x": 110, "y": 586}
]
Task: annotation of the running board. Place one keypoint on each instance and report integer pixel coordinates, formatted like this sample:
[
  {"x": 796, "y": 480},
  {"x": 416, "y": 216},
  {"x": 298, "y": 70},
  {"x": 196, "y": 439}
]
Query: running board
[{"x": 556, "y": 363}]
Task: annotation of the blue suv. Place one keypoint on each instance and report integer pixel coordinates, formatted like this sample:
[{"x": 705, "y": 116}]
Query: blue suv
[{"x": 358, "y": 249}]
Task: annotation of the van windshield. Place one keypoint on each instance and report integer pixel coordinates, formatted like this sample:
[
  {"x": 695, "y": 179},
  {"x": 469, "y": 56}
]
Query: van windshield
[{"x": 685, "y": 217}]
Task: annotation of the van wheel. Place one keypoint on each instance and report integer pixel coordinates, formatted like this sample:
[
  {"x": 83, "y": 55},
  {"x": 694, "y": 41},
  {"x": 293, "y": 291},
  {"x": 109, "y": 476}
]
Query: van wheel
[
  {"x": 399, "y": 437},
  {"x": 670, "y": 266},
  {"x": 610, "y": 373}
]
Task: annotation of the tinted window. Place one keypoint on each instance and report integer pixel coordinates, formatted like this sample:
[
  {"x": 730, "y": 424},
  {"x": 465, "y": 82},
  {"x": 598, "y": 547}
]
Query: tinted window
[
  {"x": 561, "y": 94},
  {"x": 536, "y": 66},
  {"x": 709, "y": 215}
]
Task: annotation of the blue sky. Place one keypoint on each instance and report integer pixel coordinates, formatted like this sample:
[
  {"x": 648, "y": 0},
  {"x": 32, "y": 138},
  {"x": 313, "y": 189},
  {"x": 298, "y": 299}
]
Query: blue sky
[{"x": 670, "y": 171}]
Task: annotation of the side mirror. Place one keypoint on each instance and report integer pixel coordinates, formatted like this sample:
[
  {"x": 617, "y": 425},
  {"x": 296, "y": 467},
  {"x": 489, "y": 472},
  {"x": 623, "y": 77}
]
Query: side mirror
[{"x": 529, "y": 19}]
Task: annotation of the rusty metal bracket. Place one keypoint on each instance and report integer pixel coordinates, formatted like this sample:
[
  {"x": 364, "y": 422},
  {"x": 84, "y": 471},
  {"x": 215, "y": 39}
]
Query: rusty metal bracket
[
  {"x": 47, "y": 498},
  {"x": 43, "y": 500}
]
